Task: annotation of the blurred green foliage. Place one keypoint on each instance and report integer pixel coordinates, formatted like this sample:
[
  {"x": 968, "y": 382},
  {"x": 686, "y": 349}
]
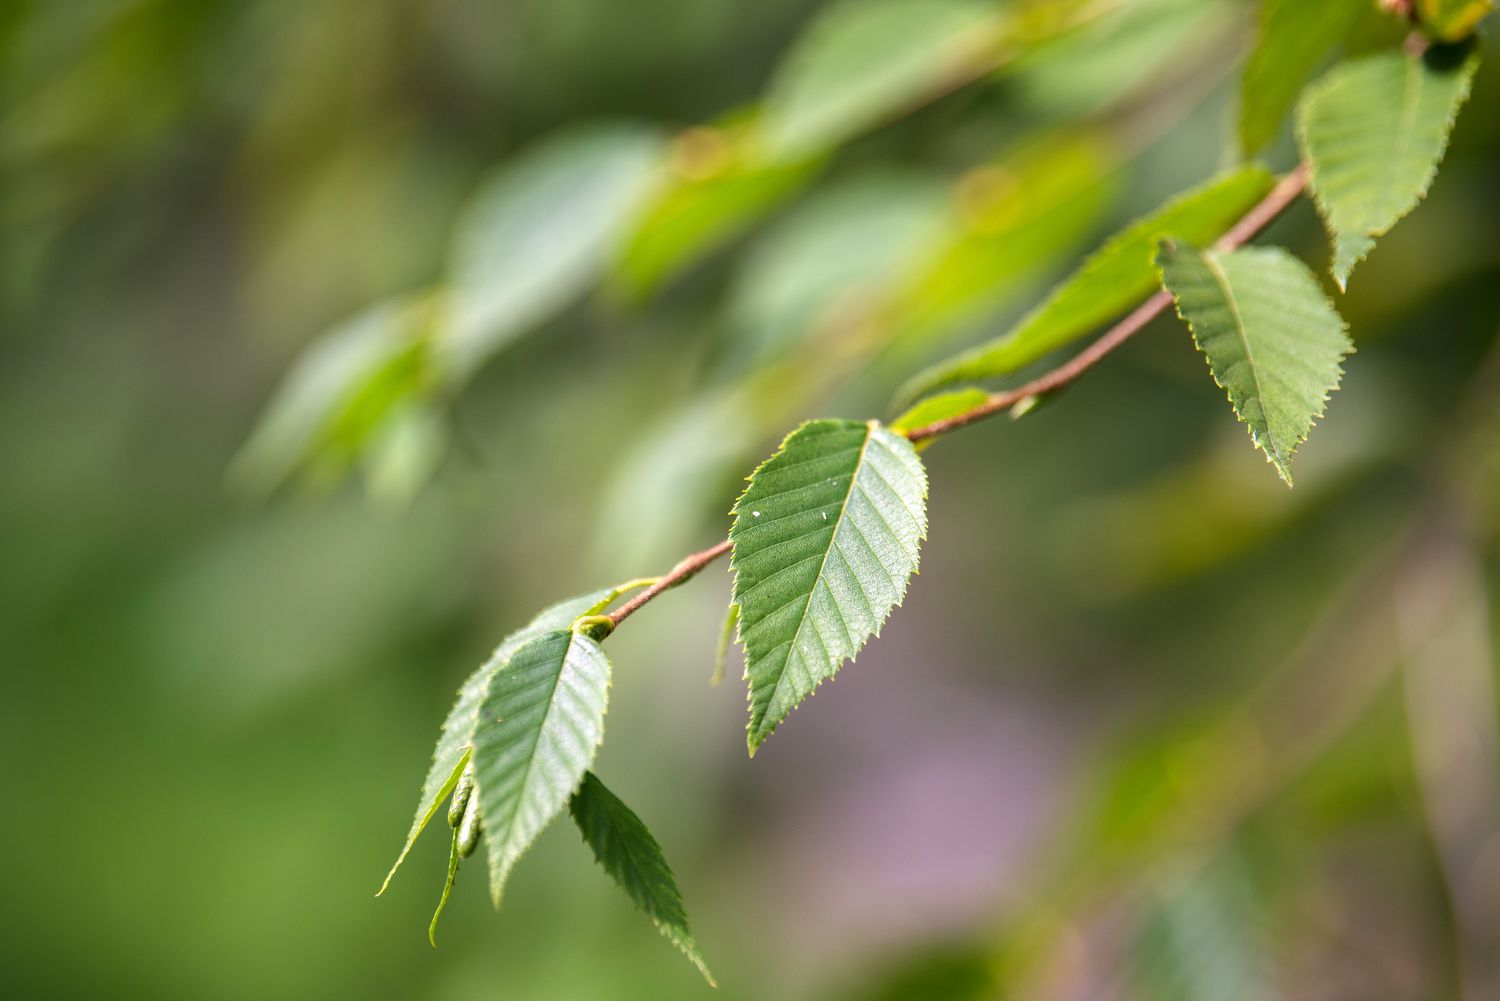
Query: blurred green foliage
[{"x": 1138, "y": 692}]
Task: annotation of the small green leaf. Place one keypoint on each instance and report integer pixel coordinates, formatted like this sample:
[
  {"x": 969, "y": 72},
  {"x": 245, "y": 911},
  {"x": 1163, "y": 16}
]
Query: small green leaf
[
  {"x": 726, "y": 636},
  {"x": 1374, "y": 131},
  {"x": 540, "y": 230},
  {"x": 1452, "y": 20},
  {"x": 939, "y": 408},
  {"x": 1272, "y": 339},
  {"x": 1114, "y": 279},
  {"x": 825, "y": 537},
  {"x": 539, "y": 727},
  {"x": 447, "y": 889},
  {"x": 453, "y": 748},
  {"x": 627, "y": 851},
  {"x": 861, "y": 62},
  {"x": 1295, "y": 37}
]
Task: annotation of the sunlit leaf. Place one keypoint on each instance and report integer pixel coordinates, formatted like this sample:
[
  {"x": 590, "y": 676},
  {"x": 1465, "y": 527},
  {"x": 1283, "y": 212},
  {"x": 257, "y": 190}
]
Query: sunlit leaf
[
  {"x": 541, "y": 229},
  {"x": 1272, "y": 339},
  {"x": 1374, "y": 131},
  {"x": 627, "y": 851},
  {"x": 457, "y": 735},
  {"x": 539, "y": 726},
  {"x": 826, "y": 537},
  {"x": 937, "y": 408},
  {"x": 1451, "y": 20},
  {"x": 1295, "y": 36},
  {"x": 864, "y": 61},
  {"x": 1117, "y": 277}
]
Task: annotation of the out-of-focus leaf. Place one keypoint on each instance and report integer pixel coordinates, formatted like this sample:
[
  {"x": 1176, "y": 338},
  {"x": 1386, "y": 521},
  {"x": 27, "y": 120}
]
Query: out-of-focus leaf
[
  {"x": 848, "y": 243},
  {"x": 864, "y": 61},
  {"x": 339, "y": 393},
  {"x": 402, "y": 457},
  {"x": 1012, "y": 219},
  {"x": 1374, "y": 131},
  {"x": 715, "y": 191},
  {"x": 1202, "y": 939},
  {"x": 539, "y": 726},
  {"x": 726, "y": 637},
  {"x": 1117, "y": 277},
  {"x": 826, "y": 537},
  {"x": 1294, "y": 38},
  {"x": 540, "y": 230},
  {"x": 1451, "y": 20},
  {"x": 456, "y": 738},
  {"x": 625, "y": 848},
  {"x": 1272, "y": 339}
]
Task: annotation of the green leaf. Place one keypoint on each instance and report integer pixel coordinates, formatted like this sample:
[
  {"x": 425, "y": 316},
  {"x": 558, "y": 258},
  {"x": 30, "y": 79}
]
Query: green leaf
[
  {"x": 1203, "y": 938},
  {"x": 448, "y": 882},
  {"x": 860, "y": 63},
  {"x": 1451, "y": 20},
  {"x": 1116, "y": 278},
  {"x": 938, "y": 408},
  {"x": 825, "y": 537},
  {"x": 455, "y": 740},
  {"x": 1272, "y": 339},
  {"x": 1295, "y": 37},
  {"x": 627, "y": 851},
  {"x": 539, "y": 726},
  {"x": 341, "y": 394},
  {"x": 1374, "y": 131},
  {"x": 540, "y": 230},
  {"x": 726, "y": 636}
]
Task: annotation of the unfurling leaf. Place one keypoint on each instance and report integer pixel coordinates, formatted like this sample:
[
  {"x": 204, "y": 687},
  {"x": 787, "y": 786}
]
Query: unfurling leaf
[
  {"x": 627, "y": 851},
  {"x": 1272, "y": 339},
  {"x": 825, "y": 537},
  {"x": 1374, "y": 131},
  {"x": 1295, "y": 36},
  {"x": 726, "y": 636},
  {"x": 539, "y": 726},
  {"x": 1118, "y": 276},
  {"x": 452, "y": 752},
  {"x": 1451, "y": 20}
]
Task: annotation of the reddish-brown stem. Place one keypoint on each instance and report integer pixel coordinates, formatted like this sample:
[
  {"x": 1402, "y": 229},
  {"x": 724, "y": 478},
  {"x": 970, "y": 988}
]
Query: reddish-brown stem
[
  {"x": 686, "y": 567},
  {"x": 1286, "y": 191}
]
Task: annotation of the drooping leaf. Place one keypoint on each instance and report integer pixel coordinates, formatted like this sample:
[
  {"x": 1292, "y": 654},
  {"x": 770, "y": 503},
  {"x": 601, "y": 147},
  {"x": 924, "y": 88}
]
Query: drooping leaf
[
  {"x": 539, "y": 726},
  {"x": 1117, "y": 277},
  {"x": 1451, "y": 20},
  {"x": 825, "y": 537},
  {"x": 1294, "y": 38},
  {"x": 454, "y": 742},
  {"x": 1272, "y": 339},
  {"x": 863, "y": 61},
  {"x": 1374, "y": 131},
  {"x": 448, "y": 882},
  {"x": 540, "y": 230},
  {"x": 627, "y": 851}
]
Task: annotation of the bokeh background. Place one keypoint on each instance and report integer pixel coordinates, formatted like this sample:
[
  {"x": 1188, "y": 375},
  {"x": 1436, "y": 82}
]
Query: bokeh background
[{"x": 1149, "y": 726}]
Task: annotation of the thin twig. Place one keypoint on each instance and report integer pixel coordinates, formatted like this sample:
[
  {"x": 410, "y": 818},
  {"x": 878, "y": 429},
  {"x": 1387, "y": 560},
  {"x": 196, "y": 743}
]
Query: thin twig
[
  {"x": 1286, "y": 191},
  {"x": 1258, "y": 218}
]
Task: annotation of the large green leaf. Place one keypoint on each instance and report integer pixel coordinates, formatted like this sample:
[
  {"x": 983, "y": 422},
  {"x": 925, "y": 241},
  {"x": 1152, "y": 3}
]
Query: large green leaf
[
  {"x": 1272, "y": 339},
  {"x": 540, "y": 230},
  {"x": 457, "y": 735},
  {"x": 1114, "y": 279},
  {"x": 1295, "y": 37},
  {"x": 1374, "y": 131},
  {"x": 861, "y": 62},
  {"x": 627, "y": 851},
  {"x": 539, "y": 726},
  {"x": 826, "y": 537},
  {"x": 1450, "y": 20}
]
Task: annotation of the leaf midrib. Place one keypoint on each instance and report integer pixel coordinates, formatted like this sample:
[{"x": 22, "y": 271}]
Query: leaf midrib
[
  {"x": 537, "y": 740},
  {"x": 822, "y": 565}
]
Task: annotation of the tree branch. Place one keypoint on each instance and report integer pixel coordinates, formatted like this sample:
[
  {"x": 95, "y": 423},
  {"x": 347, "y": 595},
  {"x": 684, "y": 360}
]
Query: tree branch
[{"x": 1286, "y": 191}]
